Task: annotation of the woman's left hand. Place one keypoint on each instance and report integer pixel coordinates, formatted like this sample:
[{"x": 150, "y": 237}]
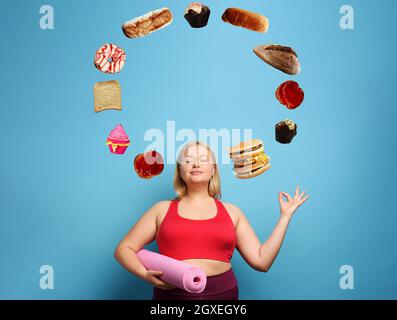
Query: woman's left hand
[{"x": 287, "y": 208}]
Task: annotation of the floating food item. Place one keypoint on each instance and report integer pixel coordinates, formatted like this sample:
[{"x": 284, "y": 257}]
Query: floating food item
[
  {"x": 290, "y": 94},
  {"x": 285, "y": 131},
  {"x": 149, "y": 164},
  {"x": 147, "y": 23},
  {"x": 197, "y": 15},
  {"x": 109, "y": 58},
  {"x": 279, "y": 57},
  {"x": 107, "y": 95},
  {"x": 246, "y": 19},
  {"x": 118, "y": 140},
  {"x": 249, "y": 159}
]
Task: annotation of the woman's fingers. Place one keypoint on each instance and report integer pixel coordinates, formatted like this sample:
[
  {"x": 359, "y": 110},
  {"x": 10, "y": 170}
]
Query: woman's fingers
[
  {"x": 168, "y": 286},
  {"x": 159, "y": 282},
  {"x": 304, "y": 199},
  {"x": 280, "y": 197},
  {"x": 286, "y": 195},
  {"x": 155, "y": 272},
  {"x": 153, "y": 275},
  {"x": 296, "y": 192},
  {"x": 298, "y": 198}
]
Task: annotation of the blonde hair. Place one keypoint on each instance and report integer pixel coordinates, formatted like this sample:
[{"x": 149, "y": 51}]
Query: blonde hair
[{"x": 214, "y": 185}]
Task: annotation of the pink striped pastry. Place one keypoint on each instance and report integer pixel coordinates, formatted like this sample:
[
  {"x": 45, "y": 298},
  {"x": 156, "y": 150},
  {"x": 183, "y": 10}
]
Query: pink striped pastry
[
  {"x": 118, "y": 140},
  {"x": 109, "y": 58}
]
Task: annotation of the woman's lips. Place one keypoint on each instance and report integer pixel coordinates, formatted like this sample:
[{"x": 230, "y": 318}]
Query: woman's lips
[{"x": 196, "y": 172}]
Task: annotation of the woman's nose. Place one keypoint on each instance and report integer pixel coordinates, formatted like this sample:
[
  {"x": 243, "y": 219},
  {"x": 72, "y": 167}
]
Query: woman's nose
[{"x": 196, "y": 163}]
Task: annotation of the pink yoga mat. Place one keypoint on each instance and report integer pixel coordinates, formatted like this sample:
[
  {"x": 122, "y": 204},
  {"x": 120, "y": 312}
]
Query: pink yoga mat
[{"x": 178, "y": 273}]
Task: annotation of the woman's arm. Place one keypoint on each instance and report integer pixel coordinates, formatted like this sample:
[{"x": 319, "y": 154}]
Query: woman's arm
[
  {"x": 142, "y": 233},
  {"x": 261, "y": 256}
]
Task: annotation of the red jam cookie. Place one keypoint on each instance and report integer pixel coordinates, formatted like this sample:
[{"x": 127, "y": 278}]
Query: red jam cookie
[
  {"x": 149, "y": 164},
  {"x": 290, "y": 94}
]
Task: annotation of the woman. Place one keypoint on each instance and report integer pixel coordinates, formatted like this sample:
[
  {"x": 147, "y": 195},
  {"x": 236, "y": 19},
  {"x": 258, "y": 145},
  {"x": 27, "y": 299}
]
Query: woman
[{"x": 199, "y": 229}]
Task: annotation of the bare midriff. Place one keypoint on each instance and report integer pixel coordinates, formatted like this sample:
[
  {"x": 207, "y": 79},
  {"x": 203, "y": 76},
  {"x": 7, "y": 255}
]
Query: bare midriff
[{"x": 209, "y": 266}]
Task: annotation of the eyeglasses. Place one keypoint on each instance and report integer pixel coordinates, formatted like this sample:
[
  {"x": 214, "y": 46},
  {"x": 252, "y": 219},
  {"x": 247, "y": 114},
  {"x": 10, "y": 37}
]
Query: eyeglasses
[{"x": 203, "y": 159}]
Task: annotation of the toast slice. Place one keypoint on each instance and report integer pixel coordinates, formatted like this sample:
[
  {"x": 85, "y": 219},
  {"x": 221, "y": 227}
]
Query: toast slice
[{"x": 107, "y": 95}]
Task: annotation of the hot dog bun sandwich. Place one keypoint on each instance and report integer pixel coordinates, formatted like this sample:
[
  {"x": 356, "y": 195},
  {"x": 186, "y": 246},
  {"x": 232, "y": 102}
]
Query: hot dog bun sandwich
[
  {"x": 249, "y": 159},
  {"x": 246, "y": 19},
  {"x": 148, "y": 23}
]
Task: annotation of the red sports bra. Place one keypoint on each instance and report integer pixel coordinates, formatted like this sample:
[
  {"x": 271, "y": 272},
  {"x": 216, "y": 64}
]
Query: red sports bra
[{"x": 182, "y": 238}]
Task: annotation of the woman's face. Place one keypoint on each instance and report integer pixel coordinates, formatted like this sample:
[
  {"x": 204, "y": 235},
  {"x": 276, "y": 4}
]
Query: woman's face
[{"x": 196, "y": 165}]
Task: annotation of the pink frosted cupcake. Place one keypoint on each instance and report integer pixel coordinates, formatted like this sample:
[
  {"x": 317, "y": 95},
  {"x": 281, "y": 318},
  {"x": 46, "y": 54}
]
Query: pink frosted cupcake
[{"x": 118, "y": 140}]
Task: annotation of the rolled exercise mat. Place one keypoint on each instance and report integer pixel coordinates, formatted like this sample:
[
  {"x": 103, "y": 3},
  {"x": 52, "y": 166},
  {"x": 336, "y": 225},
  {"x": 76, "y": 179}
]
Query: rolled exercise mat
[{"x": 178, "y": 273}]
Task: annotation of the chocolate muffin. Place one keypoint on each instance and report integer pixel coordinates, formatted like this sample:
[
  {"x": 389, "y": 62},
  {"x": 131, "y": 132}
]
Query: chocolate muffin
[
  {"x": 197, "y": 15},
  {"x": 285, "y": 131}
]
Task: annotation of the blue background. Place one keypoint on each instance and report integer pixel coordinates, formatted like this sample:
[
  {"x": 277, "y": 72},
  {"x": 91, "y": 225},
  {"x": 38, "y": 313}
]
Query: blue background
[{"x": 66, "y": 201}]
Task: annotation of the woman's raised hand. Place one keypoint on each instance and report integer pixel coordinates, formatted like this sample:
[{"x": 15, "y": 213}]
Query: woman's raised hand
[{"x": 287, "y": 208}]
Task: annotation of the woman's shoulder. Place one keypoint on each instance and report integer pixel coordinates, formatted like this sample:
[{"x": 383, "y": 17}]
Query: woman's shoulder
[
  {"x": 233, "y": 210},
  {"x": 160, "y": 209},
  {"x": 161, "y": 205},
  {"x": 231, "y": 206}
]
